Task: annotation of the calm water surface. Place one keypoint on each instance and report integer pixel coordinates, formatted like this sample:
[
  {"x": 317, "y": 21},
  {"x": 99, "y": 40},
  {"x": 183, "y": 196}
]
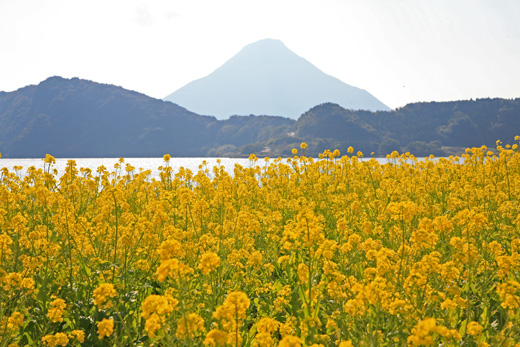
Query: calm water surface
[{"x": 151, "y": 164}]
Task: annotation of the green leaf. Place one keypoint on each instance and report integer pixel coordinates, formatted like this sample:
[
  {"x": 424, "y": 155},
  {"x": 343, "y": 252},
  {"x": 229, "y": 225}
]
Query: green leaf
[
  {"x": 68, "y": 323},
  {"x": 484, "y": 315},
  {"x": 462, "y": 330},
  {"x": 27, "y": 338}
]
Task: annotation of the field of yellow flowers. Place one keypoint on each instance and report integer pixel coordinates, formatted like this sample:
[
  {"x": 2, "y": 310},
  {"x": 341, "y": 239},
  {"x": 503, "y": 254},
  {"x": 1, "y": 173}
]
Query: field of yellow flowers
[{"x": 288, "y": 252}]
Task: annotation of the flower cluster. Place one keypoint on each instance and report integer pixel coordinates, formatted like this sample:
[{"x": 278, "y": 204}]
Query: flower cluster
[
  {"x": 155, "y": 310},
  {"x": 333, "y": 251},
  {"x": 103, "y": 294}
]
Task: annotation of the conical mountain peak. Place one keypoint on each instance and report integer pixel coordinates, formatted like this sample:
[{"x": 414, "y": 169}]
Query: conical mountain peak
[
  {"x": 267, "y": 78},
  {"x": 266, "y": 44},
  {"x": 264, "y": 49},
  {"x": 268, "y": 55}
]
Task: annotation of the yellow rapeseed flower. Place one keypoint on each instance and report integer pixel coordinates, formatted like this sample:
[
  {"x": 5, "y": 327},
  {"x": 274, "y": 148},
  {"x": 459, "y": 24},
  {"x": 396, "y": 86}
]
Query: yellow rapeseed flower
[
  {"x": 15, "y": 320},
  {"x": 509, "y": 293},
  {"x": 474, "y": 329},
  {"x": 216, "y": 337},
  {"x": 56, "y": 310},
  {"x": 155, "y": 310},
  {"x": 238, "y": 303},
  {"x": 290, "y": 341},
  {"x": 209, "y": 262},
  {"x": 171, "y": 249},
  {"x": 103, "y": 294},
  {"x": 421, "y": 334},
  {"x": 303, "y": 273},
  {"x": 59, "y": 339},
  {"x": 267, "y": 325},
  {"x": 394, "y": 240},
  {"x": 170, "y": 268},
  {"x": 49, "y": 340},
  {"x": 189, "y": 325},
  {"x": 49, "y": 159},
  {"x": 160, "y": 304},
  {"x": 78, "y": 334},
  {"x": 105, "y": 328}
]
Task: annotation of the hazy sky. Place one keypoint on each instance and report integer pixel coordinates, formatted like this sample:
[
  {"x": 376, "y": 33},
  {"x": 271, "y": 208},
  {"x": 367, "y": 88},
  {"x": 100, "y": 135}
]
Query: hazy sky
[{"x": 401, "y": 51}]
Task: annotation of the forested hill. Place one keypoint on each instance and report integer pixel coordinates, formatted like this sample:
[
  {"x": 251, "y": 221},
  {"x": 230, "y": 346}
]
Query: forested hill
[
  {"x": 438, "y": 128},
  {"x": 79, "y": 118}
]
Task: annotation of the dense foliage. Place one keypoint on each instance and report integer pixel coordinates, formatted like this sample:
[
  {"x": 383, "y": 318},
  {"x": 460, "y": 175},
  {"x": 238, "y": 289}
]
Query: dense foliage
[
  {"x": 294, "y": 252},
  {"x": 421, "y": 128},
  {"x": 78, "y": 118}
]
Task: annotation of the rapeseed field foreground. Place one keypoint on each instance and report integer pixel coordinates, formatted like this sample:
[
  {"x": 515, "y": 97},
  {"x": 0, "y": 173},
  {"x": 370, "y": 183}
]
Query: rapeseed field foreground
[{"x": 285, "y": 252}]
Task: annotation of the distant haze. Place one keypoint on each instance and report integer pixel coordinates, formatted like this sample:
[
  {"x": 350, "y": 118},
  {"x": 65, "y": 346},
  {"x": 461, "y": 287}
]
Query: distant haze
[
  {"x": 401, "y": 51},
  {"x": 266, "y": 78}
]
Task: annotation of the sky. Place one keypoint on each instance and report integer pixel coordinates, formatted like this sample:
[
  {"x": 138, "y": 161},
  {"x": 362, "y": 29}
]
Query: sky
[{"x": 401, "y": 51}]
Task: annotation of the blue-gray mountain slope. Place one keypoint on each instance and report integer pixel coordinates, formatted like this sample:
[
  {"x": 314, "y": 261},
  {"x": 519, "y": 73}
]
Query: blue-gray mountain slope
[{"x": 266, "y": 78}]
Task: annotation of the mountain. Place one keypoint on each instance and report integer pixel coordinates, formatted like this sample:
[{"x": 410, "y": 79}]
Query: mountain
[
  {"x": 266, "y": 77},
  {"x": 424, "y": 128},
  {"x": 79, "y": 118}
]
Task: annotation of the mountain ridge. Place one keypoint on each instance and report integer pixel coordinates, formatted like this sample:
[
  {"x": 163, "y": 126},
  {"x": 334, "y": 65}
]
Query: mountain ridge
[
  {"x": 80, "y": 118},
  {"x": 58, "y": 110}
]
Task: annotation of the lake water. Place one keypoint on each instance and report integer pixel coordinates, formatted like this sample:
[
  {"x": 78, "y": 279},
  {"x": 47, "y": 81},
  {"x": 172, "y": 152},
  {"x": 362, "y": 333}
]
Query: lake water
[
  {"x": 139, "y": 163},
  {"x": 151, "y": 164}
]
